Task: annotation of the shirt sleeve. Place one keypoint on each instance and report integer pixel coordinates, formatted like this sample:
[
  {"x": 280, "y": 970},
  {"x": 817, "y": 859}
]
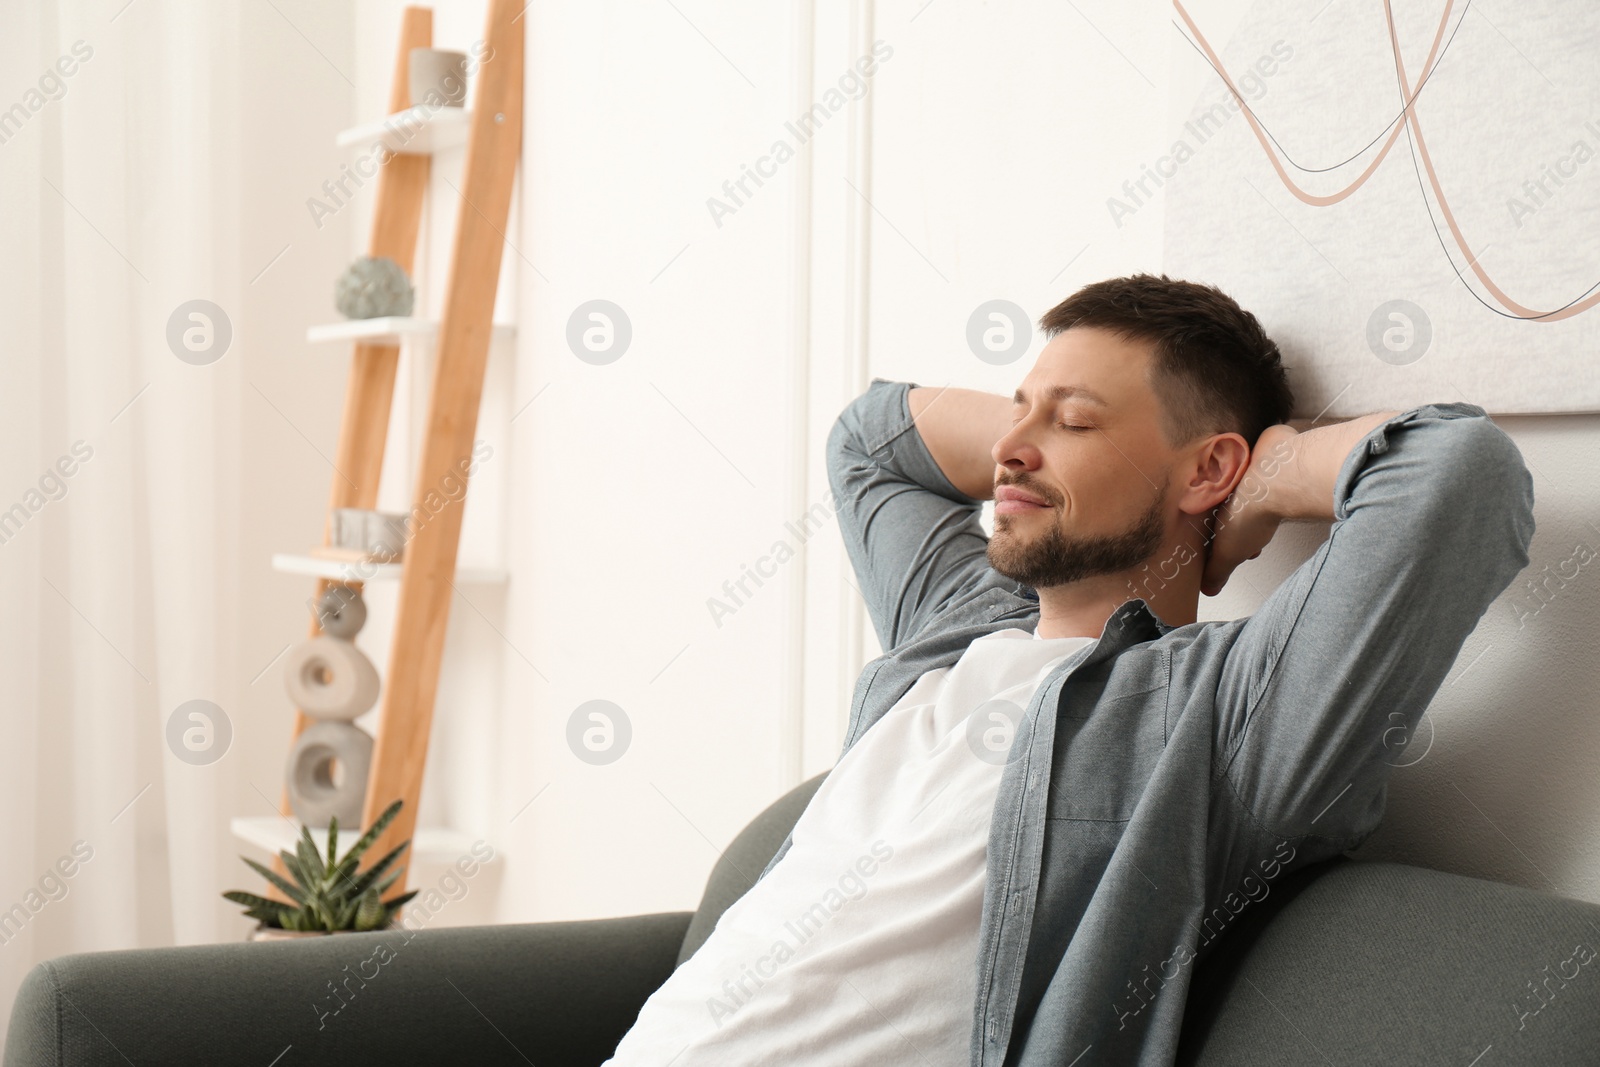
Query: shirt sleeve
[
  {"x": 914, "y": 539},
  {"x": 1433, "y": 516}
]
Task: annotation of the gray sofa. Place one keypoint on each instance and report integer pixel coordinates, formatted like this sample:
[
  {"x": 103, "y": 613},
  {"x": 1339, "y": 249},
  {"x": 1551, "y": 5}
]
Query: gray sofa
[{"x": 1342, "y": 963}]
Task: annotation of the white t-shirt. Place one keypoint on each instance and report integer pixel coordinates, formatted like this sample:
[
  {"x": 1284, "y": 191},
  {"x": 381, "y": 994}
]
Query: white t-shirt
[{"x": 860, "y": 946}]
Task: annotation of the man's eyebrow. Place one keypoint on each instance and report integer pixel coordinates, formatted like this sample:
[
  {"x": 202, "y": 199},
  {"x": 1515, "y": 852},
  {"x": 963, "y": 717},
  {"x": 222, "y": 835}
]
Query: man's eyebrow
[{"x": 1058, "y": 393}]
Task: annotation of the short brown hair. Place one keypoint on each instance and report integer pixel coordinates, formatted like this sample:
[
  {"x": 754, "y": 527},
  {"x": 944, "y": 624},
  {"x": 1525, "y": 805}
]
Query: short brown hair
[{"x": 1214, "y": 368}]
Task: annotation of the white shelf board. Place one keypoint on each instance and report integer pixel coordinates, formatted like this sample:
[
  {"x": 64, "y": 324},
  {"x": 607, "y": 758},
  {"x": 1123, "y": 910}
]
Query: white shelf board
[
  {"x": 390, "y": 329},
  {"x": 276, "y": 832},
  {"x": 418, "y": 131},
  {"x": 339, "y": 571}
]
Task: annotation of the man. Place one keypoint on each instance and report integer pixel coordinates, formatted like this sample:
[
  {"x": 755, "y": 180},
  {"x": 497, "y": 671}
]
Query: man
[{"x": 1058, "y": 788}]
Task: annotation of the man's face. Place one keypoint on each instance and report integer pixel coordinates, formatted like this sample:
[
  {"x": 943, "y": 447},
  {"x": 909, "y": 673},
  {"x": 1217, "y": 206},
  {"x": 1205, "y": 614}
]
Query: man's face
[{"x": 1086, "y": 440}]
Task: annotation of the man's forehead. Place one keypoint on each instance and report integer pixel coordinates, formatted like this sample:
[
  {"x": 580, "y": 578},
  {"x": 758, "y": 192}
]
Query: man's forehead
[{"x": 1087, "y": 364}]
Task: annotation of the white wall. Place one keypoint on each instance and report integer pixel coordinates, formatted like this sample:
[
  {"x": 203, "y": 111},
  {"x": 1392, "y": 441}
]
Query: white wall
[{"x": 977, "y": 166}]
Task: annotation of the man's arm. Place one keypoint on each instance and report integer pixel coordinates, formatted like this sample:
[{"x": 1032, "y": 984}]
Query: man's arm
[
  {"x": 914, "y": 537},
  {"x": 1433, "y": 515},
  {"x": 1290, "y": 477},
  {"x": 960, "y": 428}
]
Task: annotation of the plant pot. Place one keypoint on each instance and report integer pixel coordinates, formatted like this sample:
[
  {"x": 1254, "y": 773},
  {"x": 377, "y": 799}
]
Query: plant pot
[{"x": 263, "y": 932}]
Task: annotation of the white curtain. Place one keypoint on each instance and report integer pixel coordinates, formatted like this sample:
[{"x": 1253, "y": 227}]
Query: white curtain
[{"x": 120, "y": 470}]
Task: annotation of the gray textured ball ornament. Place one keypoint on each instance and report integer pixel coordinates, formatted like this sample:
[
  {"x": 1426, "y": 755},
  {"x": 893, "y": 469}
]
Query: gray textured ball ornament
[
  {"x": 373, "y": 286},
  {"x": 341, "y": 612}
]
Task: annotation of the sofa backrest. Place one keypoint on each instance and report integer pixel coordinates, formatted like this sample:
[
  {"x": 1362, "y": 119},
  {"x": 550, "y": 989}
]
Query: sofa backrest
[
  {"x": 744, "y": 860},
  {"x": 1374, "y": 962}
]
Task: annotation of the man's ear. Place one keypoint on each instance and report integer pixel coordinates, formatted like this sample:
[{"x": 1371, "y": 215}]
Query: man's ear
[{"x": 1212, "y": 469}]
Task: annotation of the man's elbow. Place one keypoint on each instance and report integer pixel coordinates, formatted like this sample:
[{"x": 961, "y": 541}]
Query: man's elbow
[
  {"x": 1489, "y": 487},
  {"x": 846, "y": 450}
]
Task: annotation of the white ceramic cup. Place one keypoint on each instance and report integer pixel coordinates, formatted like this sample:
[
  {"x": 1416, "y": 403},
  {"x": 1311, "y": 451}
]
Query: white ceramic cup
[{"x": 437, "y": 77}]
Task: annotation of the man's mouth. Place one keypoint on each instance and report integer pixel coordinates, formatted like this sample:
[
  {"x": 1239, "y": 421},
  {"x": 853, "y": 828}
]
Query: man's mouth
[{"x": 1010, "y": 500}]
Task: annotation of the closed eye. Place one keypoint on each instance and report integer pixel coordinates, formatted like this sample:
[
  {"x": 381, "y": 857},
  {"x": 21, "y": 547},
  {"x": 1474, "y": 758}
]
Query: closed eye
[{"x": 1061, "y": 425}]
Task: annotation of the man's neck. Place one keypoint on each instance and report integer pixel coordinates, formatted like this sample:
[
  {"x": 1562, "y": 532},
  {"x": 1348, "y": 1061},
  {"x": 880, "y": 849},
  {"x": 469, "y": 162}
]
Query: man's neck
[{"x": 1169, "y": 582}]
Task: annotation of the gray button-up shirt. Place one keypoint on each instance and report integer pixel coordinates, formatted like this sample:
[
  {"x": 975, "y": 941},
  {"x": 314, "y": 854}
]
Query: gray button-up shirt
[{"x": 1163, "y": 777}]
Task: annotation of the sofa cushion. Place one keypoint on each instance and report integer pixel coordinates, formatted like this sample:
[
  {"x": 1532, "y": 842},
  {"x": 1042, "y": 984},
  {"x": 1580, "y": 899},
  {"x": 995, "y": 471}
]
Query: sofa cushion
[
  {"x": 744, "y": 859},
  {"x": 1368, "y": 962}
]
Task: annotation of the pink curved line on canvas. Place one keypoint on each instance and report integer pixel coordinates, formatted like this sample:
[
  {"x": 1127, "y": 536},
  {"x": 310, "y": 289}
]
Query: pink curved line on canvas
[
  {"x": 1444, "y": 207},
  {"x": 1261, "y": 134},
  {"x": 1409, "y": 112}
]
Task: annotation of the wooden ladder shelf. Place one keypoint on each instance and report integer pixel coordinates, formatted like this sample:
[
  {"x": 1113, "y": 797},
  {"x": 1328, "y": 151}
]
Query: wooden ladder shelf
[{"x": 494, "y": 143}]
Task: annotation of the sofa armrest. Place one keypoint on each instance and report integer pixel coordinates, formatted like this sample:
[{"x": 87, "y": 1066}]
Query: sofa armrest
[{"x": 549, "y": 993}]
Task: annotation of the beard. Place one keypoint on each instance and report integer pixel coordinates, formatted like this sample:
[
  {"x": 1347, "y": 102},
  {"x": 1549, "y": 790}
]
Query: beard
[{"x": 1055, "y": 558}]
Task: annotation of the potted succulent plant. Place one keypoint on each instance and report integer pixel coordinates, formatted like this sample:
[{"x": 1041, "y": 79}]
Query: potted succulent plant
[{"x": 327, "y": 895}]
